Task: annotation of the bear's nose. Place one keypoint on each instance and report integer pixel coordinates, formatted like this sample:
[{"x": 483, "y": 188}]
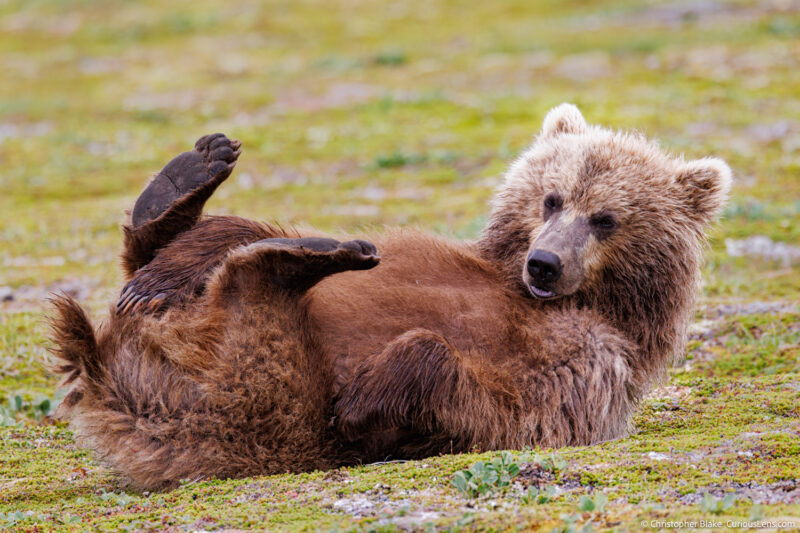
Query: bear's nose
[{"x": 544, "y": 266}]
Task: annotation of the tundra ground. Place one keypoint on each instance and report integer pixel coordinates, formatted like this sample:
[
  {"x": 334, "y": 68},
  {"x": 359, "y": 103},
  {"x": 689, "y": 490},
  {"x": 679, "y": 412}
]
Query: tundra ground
[{"x": 360, "y": 114}]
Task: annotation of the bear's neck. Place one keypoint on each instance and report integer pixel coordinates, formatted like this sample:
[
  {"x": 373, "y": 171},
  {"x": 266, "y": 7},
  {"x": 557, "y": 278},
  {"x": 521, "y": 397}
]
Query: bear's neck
[
  {"x": 650, "y": 301},
  {"x": 652, "y": 304}
]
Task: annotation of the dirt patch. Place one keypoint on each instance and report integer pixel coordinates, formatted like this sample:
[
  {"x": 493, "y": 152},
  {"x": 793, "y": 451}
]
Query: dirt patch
[
  {"x": 584, "y": 67},
  {"x": 705, "y": 12},
  {"x": 533, "y": 474},
  {"x": 714, "y": 330},
  {"x": 765, "y": 248},
  {"x": 751, "y": 308},
  {"x": 10, "y": 130},
  {"x": 360, "y": 506},
  {"x": 672, "y": 392},
  {"x": 403, "y": 510},
  {"x": 785, "y": 492},
  {"x": 28, "y": 297},
  {"x": 336, "y": 476},
  {"x": 337, "y": 95}
]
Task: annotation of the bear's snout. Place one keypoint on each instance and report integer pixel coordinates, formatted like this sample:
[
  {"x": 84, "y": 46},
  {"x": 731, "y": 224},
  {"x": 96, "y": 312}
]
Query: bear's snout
[
  {"x": 544, "y": 267},
  {"x": 554, "y": 266}
]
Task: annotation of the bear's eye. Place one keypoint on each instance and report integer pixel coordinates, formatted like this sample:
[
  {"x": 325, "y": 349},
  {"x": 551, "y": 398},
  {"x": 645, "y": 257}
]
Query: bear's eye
[
  {"x": 552, "y": 202},
  {"x": 603, "y": 221}
]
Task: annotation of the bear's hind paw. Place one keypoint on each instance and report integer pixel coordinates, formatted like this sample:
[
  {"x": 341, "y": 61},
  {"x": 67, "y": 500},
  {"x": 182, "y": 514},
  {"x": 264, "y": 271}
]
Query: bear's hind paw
[{"x": 200, "y": 171}]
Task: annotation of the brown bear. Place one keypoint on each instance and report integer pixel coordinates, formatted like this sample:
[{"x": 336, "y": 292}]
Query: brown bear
[{"x": 239, "y": 348}]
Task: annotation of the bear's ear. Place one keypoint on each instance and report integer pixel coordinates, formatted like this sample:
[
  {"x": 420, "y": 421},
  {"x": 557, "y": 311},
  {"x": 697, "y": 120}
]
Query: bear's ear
[
  {"x": 706, "y": 183},
  {"x": 564, "y": 118}
]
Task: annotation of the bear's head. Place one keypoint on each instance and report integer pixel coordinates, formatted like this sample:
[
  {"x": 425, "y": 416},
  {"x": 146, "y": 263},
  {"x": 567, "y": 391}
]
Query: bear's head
[{"x": 605, "y": 218}]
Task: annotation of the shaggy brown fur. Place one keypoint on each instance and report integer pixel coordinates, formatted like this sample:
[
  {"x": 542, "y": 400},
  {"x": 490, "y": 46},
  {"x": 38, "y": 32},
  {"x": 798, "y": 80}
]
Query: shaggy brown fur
[{"x": 237, "y": 349}]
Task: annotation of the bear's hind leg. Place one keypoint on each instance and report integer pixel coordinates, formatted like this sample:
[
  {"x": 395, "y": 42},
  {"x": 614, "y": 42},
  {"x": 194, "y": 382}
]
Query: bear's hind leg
[
  {"x": 173, "y": 201},
  {"x": 271, "y": 382},
  {"x": 181, "y": 269}
]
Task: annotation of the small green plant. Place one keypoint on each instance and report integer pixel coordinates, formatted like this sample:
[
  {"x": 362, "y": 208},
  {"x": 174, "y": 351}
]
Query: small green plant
[
  {"x": 757, "y": 513},
  {"x": 461, "y": 524},
  {"x": 483, "y": 479},
  {"x": 138, "y": 525},
  {"x": 13, "y": 518},
  {"x": 664, "y": 404},
  {"x": 398, "y": 159},
  {"x": 68, "y": 518},
  {"x": 596, "y": 503},
  {"x": 570, "y": 525},
  {"x": 713, "y": 505},
  {"x": 16, "y": 407},
  {"x": 121, "y": 499},
  {"x": 391, "y": 58},
  {"x": 43, "y": 406},
  {"x": 8, "y": 412},
  {"x": 534, "y": 495},
  {"x": 552, "y": 462}
]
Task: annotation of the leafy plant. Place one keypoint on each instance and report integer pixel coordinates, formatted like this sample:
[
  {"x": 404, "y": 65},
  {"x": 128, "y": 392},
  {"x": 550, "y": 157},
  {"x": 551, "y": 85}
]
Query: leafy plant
[
  {"x": 68, "y": 518},
  {"x": 534, "y": 495},
  {"x": 121, "y": 499},
  {"x": 8, "y": 412},
  {"x": 15, "y": 517},
  {"x": 461, "y": 524},
  {"x": 596, "y": 503},
  {"x": 570, "y": 525},
  {"x": 483, "y": 479},
  {"x": 713, "y": 505},
  {"x": 38, "y": 408},
  {"x": 551, "y": 462},
  {"x": 139, "y": 525},
  {"x": 398, "y": 159},
  {"x": 11, "y": 518},
  {"x": 756, "y": 513},
  {"x": 391, "y": 58}
]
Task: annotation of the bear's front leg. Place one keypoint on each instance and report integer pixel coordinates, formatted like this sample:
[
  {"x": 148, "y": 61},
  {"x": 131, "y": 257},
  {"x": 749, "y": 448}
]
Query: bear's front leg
[
  {"x": 575, "y": 387},
  {"x": 420, "y": 384},
  {"x": 287, "y": 265}
]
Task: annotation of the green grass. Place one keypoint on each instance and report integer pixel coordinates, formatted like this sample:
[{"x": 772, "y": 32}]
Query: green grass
[{"x": 366, "y": 114}]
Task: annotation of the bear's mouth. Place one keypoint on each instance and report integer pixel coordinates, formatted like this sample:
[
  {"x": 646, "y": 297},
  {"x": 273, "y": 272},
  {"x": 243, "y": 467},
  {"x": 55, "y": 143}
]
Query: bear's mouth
[{"x": 542, "y": 294}]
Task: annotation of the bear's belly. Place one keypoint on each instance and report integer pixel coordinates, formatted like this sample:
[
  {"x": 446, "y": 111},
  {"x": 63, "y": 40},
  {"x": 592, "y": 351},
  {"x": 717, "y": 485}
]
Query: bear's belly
[{"x": 421, "y": 283}]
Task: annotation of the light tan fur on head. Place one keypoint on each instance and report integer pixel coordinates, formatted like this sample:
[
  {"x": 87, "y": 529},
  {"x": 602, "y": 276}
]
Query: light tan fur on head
[{"x": 625, "y": 219}]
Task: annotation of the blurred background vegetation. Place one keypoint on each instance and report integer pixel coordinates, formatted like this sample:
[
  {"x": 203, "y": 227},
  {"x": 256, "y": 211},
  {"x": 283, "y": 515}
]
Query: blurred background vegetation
[
  {"x": 357, "y": 113},
  {"x": 360, "y": 113}
]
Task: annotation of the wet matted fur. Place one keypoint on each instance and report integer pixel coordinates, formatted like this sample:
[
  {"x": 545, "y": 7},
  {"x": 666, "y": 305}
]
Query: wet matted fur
[{"x": 238, "y": 348}]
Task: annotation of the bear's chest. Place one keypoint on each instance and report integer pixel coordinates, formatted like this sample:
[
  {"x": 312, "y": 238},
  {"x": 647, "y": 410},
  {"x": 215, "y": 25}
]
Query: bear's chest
[{"x": 351, "y": 323}]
